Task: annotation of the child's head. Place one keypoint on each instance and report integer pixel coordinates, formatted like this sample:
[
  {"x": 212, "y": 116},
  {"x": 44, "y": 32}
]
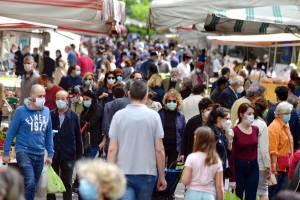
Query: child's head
[{"x": 205, "y": 142}]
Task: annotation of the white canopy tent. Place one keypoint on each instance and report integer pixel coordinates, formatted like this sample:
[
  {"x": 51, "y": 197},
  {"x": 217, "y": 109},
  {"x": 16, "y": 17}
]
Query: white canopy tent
[
  {"x": 217, "y": 16},
  {"x": 81, "y": 16}
]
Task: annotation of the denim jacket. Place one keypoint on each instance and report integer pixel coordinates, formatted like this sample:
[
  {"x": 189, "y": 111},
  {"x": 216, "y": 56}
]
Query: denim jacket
[{"x": 180, "y": 126}]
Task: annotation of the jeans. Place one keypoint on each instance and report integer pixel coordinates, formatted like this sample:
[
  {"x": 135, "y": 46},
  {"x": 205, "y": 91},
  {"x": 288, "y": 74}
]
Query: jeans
[
  {"x": 31, "y": 167},
  {"x": 171, "y": 155},
  {"x": 139, "y": 187},
  {"x": 197, "y": 195},
  {"x": 93, "y": 152},
  {"x": 282, "y": 182},
  {"x": 65, "y": 170},
  {"x": 247, "y": 177}
]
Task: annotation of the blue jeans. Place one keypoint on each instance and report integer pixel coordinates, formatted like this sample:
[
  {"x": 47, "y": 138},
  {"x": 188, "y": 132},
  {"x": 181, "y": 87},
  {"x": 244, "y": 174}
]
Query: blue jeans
[
  {"x": 282, "y": 182},
  {"x": 31, "y": 167},
  {"x": 197, "y": 195},
  {"x": 139, "y": 187},
  {"x": 247, "y": 177},
  {"x": 94, "y": 151}
]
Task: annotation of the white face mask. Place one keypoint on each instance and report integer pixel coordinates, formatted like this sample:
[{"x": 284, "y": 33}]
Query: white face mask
[
  {"x": 240, "y": 89},
  {"x": 40, "y": 102},
  {"x": 206, "y": 114},
  {"x": 227, "y": 124},
  {"x": 249, "y": 119},
  {"x": 123, "y": 65},
  {"x": 61, "y": 64},
  {"x": 111, "y": 81},
  {"x": 28, "y": 67}
]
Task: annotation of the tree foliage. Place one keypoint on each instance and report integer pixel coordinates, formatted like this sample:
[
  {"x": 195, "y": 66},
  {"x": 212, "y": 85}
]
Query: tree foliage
[{"x": 138, "y": 9}]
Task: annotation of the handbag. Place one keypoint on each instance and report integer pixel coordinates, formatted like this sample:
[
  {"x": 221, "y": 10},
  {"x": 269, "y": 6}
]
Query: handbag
[
  {"x": 283, "y": 162},
  {"x": 55, "y": 184},
  {"x": 86, "y": 136}
]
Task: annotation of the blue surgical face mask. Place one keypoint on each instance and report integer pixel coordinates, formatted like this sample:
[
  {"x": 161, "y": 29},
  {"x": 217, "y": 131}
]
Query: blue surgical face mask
[
  {"x": 119, "y": 78},
  {"x": 77, "y": 72},
  {"x": 87, "y": 190},
  {"x": 60, "y": 104},
  {"x": 87, "y": 103},
  {"x": 172, "y": 106},
  {"x": 286, "y": 118}
]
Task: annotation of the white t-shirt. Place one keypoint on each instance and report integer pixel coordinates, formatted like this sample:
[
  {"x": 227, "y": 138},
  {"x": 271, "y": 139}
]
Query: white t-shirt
[
  {"x": 203, "y": 177},
  {"x": 184, "y": 70},
  {"x": 216, "y": 65},
  {"x": 136, "y": 127}
]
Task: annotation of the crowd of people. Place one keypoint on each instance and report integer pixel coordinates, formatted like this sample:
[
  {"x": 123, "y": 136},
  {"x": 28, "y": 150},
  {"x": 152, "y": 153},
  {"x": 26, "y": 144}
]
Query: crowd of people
[{"x": 143, "y": 107}]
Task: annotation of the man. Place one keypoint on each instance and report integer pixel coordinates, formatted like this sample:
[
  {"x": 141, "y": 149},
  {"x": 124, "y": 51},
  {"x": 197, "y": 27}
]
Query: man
[
  {"x": 225, "y": 72},
  {"x": 222, "y": 82},
  {"x": 67, "y": 142},
  {"x": 232, "y": 92},
  {"x": 173, "y": 59},
  {"x": 30, "y": 78},
  {"x": 72, "y": 58},
  {"x": 184, "y": 67},
  {"x": 20, "y": 55},
  {"x": 51, "y": 90},
  {"x": 172, "y": 82},
  {"x": 294, "y": 123},
  {"x": 49, "y": 64},
  {"x": 136, "y": 75},
  {"x": 120, "y": 102},
  {"x": 32, "y": 127},
  {"x": 152, "y": 60},
  {"x": 254, "y": 92},
  {"x": 190, "y": 103},
  {"x": 86, "y": 63},
  {"x": 216, "y": 64},
  {"x": 136, "y": 145},
  {"x": 73, "y": 47}
]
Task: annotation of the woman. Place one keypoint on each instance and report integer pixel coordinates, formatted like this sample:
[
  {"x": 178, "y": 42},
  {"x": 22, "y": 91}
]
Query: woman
[
  {"x": 90, "y": 122},
  {"x": 128, "y": 69},
  {"x": 263, "y": 148},
  {"x": 244, "y": 154},
  {"x": 60, "y": 71},
  {"x": 174, "y": 123},
  {"x": 154, "y": 105},
  {"x": 199, "y": 76},
  {"x": 203, "y": 172},
  {"x": 172, "y": 82},
  {"x": 100, "y": 180},
  {"x": 219, "y": 121},
  {"x": 72, "y": 79},
  {"x": 105, "y": 93},
  {"x": 58, "y": 57},
  {"x": 155, "y": 83},
  {"x": 281, "y": 146},
  {"x": 119, "y": 75},
  {"x": 204, "y": 106},
  {"x": 105, "y": 67},
  {"x": 88, "y": 82}
]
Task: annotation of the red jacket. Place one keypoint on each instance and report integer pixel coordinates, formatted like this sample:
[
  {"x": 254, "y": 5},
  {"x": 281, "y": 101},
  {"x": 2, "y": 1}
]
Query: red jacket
[
  {"x": 86, "y": 65},
  {"x": 293, "y": 163}
]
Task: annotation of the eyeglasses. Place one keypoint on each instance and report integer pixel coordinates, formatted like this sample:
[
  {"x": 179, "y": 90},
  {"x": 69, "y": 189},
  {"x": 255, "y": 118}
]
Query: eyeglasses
[
  {"x": 111, "y": 78},
  {"x": 172, "y": 101}
]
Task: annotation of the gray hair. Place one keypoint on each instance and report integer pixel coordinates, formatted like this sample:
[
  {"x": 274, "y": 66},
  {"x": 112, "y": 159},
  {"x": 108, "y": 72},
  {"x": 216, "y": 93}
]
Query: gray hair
[
  {"x": 28, "y": 57},
  {"x": 255, "y": 90},
  {"x": 11, "y": 185},
  {"x": 236, "y": 80},
  {"x": 283, "y": 107}
]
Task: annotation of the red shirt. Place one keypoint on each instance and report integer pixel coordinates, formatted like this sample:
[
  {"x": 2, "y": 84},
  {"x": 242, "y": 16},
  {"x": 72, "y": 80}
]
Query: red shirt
[
  {"x": 294, "y": 162},
  {"x": 245, "y": 146},
  {"x": 50, "y": 97},
  {"x": 86, "y": 65}
]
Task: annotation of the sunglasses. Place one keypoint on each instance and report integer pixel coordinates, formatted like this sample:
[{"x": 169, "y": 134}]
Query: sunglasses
[
  {"x": 111, "y": 78},
  {"x": 172, "y": 101}
]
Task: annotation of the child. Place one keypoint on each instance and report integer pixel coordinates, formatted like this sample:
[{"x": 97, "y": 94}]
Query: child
[{"x": 203, "y": 172}]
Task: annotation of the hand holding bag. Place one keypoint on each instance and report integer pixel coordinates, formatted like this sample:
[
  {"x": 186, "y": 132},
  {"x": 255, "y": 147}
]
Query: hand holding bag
[{"x": 55, "y": 184}]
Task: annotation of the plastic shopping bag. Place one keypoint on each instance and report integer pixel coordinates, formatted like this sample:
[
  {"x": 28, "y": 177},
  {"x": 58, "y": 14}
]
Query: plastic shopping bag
[
  {"x": 55, "y": 184},
  {"x": 41, "y": 192},
  {"x": 231, "y": 196}
]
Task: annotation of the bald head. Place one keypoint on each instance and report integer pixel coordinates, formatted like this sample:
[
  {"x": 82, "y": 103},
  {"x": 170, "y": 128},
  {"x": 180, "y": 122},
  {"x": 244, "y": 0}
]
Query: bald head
[
  {"x": 62, "y": 95},
  {"x": 37, "y": 90}
]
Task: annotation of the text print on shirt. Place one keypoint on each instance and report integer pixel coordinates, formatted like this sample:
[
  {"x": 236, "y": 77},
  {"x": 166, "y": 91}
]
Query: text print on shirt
[{"x": 37, "y": 122}]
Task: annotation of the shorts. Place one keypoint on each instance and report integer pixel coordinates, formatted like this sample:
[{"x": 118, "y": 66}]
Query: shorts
[
  {"x": 197, "y": 195},
  {"x": 262, "y": 189}
]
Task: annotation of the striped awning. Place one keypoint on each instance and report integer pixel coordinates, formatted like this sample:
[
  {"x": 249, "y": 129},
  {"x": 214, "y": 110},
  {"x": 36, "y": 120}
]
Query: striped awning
[
  {"x": 82, "y": 16},
  {"x": 250, "y": 17}
]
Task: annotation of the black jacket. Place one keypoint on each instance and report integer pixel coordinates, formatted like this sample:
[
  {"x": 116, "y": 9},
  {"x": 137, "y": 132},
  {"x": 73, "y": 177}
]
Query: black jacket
[
  {"x": 188, "y": 136},
  {"x": 221, "y": 145},
  {"x": 49, "y": 66},
  {"x": 227, "y": 98},
  {"x": 93, "y": 117},
  {"x": 67, "y": 141}
]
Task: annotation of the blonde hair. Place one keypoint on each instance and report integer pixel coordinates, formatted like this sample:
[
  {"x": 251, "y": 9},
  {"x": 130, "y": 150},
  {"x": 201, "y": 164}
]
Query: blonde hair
[
  {"x": 100, "y": 172},
  {"x": 172, "y": 93},
  {"x": 155, "y": 81},
  {"x": 205, "y": 142}
]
